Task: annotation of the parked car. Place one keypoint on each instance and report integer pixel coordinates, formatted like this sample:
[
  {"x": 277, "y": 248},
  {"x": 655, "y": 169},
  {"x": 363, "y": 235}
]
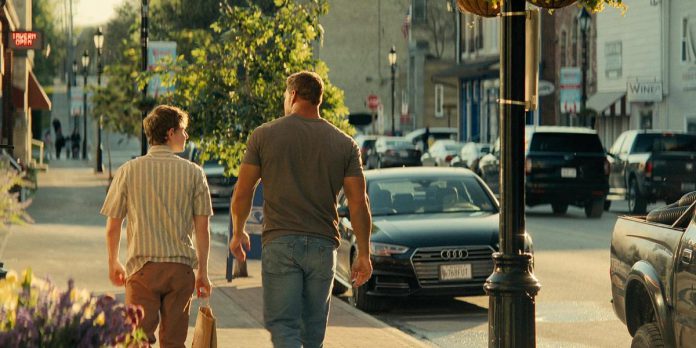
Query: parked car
[
  {"x": 417, "y": 137},
  {"x": 470, "y": 155},
  {"x": 434, "y": 232},
  {"x": 366, "y": 143},
  {"x": 441, "y": 153},
  {"x": 220, "y": 185},
  {"x": 563, "y": 166},
  {"x": 653, "y": 279},
  {"x": 393, "y": 152},
  {"x": 489, "y": 168},
  {"x": 649, "y": 166}
]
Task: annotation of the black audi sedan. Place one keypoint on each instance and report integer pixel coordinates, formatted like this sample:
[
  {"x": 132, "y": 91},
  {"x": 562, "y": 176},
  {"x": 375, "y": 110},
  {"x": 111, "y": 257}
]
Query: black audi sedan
[{"x": 434, "y": 232}]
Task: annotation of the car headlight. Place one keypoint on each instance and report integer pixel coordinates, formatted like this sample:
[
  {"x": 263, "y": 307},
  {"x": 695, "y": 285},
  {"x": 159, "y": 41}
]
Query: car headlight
[{"x": 381, "y": 249}]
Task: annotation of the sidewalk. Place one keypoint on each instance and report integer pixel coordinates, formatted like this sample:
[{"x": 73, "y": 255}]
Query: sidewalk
[{"x": 67, "y": 241}]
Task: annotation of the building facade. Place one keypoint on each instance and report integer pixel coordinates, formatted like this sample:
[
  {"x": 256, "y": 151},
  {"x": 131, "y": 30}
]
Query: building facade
[{"x": 646, "y": 68}]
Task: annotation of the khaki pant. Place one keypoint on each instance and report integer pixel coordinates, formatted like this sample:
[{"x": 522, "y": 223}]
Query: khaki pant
[{"x": 164, "y": 290}]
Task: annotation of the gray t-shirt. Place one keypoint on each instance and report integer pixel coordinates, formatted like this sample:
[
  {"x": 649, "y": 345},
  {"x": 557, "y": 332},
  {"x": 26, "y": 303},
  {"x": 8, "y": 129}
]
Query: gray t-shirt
[{"x": 303, "y": 162}]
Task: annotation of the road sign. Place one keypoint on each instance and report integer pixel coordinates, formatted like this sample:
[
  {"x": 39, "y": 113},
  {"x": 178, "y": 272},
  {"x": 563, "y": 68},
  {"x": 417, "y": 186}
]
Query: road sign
[
  {"x": 571, "y": 93},
  {"x": 372, "y": 102}
]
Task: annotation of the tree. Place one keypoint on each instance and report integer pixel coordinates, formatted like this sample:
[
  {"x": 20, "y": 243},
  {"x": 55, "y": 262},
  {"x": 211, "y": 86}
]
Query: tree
[
  {"x": 235, "y": 81},
  {"x": 44, "y": 20},
  {"x": 440, "y": 24}
]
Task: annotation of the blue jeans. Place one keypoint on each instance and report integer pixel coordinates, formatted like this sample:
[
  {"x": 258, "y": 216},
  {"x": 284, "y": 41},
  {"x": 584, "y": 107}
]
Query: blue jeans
[{"x": 298, "y": 274}]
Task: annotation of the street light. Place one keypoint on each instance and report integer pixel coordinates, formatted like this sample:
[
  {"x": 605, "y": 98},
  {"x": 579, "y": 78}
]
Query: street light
[
  {"x": 584, "y": 22},
  {"x": 392, "y": 63},
  {"x": 73, "y": 81},
  {"x": 98, "y": 44},
  {"x": 85, "y": 65}
]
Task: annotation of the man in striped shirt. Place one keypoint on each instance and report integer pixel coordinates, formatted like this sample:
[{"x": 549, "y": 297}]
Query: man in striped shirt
[{"x": 165, "y": 200}]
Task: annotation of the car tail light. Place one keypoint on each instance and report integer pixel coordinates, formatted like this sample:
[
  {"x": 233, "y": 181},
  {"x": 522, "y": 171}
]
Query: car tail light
[
  {"x": 449, "y": 158},
  {"x": 607, "y": 167},
  {"x": 648, "y": 169},
  {"x": 528, "y": 166}
]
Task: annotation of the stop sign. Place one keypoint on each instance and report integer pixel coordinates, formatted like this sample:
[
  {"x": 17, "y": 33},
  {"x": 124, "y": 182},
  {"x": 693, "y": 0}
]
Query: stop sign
[{"x": 372, "y": 102}]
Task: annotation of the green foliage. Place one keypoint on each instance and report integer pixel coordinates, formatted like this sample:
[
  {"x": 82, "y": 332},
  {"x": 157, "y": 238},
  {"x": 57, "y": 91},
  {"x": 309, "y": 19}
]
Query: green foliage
[
  {"x": 45, "y": 19},
  {"x": 236, "y": 79},
  {"x": 11, "y": 209}
]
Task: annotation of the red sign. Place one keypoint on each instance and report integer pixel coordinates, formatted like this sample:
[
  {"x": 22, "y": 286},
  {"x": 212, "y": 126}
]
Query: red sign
[
  {"x": 26, "y": 40},
  {"x": 372, "y": 102}
]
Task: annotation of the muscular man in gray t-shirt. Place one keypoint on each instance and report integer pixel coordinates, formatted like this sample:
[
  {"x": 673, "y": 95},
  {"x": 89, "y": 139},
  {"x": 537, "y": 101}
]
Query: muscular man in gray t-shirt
[{"x": 303, "y": 161}]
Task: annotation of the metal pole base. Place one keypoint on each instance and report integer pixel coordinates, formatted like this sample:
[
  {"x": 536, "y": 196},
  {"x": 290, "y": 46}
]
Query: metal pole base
[{"x": 511, "y": 289}]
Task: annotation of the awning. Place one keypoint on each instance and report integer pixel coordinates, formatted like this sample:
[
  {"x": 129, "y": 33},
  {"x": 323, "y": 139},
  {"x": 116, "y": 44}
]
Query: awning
[
  {"x": 38, "y": 100},
  {"x": 484, "y": 68},
  {"x": 603, "y": 100}
]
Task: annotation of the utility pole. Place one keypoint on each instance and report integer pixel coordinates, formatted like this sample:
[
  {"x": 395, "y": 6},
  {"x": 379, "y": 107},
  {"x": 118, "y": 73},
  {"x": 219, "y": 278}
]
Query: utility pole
[
  {"x": 143, "y": 53},
  {"x": 512, "y": 286}
]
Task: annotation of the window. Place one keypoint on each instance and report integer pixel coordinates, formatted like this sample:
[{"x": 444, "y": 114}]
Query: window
[
  {"x": 564, "y": 47},
  {"x": 479, "y": 32},
  {"x": 419, "y": 11},
  {"x": 439, "y": 100},
  {"x": 688, "y": 47},
  {"x": 574, "y": 44},
  {"x": 470, "y": 35},
  {"x": 613, "y": 53},
  {"x": 691, "y": 124},
  {"x": 565, "y": 142}
]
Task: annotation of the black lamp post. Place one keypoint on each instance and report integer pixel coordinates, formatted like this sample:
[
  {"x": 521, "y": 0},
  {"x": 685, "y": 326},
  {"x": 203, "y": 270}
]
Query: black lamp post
[
  {"x": 144, "y": 9},
  {"x": 98, "y": 44},
  {"x": 85, "y": 65},
  {"x": 584, "y": 22},
  {"x": 512, "y": 286},
  {"x": 76, "y": 123},
  {"x": 392, "y": 64}
]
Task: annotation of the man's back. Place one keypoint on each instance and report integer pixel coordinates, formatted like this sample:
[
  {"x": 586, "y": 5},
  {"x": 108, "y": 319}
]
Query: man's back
[{"x": 303, "y": 163}]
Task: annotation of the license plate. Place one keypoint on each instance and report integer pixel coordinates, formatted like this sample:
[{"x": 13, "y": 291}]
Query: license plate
[
  {"x": 403, "y": 153},
  {"x": 688, "y": 186},
  {"x": 455, "y": 272},
  {"x": 569, "y": 173}
]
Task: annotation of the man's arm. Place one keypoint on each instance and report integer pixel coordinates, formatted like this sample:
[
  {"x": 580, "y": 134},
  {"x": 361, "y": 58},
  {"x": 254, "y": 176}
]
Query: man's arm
[
  {"x": 117, "y": 273},
  {"x": 201, "y": 223},
  {"x": 249, "y": 176},
  {"x": 361, "y": 220}
]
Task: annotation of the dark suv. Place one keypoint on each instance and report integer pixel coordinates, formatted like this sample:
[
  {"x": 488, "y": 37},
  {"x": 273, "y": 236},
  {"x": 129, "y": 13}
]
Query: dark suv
[{"x": 566, "y": 166}]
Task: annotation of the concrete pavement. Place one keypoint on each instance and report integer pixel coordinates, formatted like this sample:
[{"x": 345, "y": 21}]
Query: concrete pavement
[{"x": 67, "y": 241}]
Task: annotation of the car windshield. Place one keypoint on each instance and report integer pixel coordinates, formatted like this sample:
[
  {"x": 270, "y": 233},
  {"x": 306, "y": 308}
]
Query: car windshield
[
  {"x": 399, "y": 144},
  {"x": 428, "y": 195},
  {"x": 566, "y": 142},
  {"x": 665, "y": 142}
]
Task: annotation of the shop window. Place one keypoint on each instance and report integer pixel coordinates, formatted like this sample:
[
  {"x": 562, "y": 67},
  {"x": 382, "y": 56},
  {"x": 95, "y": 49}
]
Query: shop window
[
  {"x": 479, "y": 32},
  {"x": 574, "y": 44}
]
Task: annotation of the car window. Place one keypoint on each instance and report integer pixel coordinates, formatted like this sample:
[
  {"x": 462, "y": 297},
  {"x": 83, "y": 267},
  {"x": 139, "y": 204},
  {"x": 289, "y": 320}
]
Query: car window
[
  {"x": 428, "y": 195},
  {"x": 565, "y": 142},
  {"x": 664, "y": 143},
  {"x": 399, "y": 144}
]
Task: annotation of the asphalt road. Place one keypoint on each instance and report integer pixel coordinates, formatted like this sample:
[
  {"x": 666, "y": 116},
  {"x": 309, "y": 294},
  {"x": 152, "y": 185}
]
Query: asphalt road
[{"x": 572, "y": 308}]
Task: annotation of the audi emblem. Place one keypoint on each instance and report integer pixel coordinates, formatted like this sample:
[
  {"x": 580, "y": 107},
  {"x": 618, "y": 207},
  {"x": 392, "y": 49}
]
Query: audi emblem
[{"x": 454, "y": 254}]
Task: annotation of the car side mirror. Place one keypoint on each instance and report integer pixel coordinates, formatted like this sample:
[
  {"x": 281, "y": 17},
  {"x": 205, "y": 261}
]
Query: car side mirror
[{"x": 343, "y": 212}]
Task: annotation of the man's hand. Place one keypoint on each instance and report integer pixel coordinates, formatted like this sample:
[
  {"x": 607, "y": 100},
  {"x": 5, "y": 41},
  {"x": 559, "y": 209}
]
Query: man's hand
[
  {"x": 362, "y": 270},
  {"x": 117, "y": 274},
  {"x": 240, "y": 241},
  {"x": 203, "y": 287}
]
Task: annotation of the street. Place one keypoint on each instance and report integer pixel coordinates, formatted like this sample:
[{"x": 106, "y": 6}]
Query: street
[{"x": 572, "y": 308}]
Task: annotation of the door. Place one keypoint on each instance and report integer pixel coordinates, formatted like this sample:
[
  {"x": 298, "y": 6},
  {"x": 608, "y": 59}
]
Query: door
[
  {"x": 685, "y": 289},
  {"x": 616, "y": 178}
]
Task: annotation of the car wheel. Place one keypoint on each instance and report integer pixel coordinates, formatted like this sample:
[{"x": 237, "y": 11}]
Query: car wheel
[
  {"x": 338, "y": 288},
  {"x": 364, "y": 302},
  {"x": 607, "y": 205},
  {"x": 647, "y": 336},
  {"x": 594, "y": 208},
  {"x": 559, "y": 208},
  {"x": 636, "y": 202}
]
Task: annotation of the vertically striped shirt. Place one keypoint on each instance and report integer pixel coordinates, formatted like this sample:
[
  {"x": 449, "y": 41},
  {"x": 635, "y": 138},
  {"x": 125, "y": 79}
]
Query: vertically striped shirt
[{"x": 158, "y": 194}]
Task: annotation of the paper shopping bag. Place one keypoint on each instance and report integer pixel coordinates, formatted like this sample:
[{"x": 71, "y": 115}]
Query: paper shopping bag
[{"x": 205, "y": 335}]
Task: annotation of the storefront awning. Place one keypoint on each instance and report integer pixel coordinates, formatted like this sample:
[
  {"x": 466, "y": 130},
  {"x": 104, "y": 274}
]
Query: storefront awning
[
  {"x": 484, "y": 68},
  {"x": 38, "y": 100},
  {"x": 603, "y": 100}
]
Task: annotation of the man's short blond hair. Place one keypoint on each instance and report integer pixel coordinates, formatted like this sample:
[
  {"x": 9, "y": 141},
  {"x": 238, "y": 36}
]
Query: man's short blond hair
[
  {"x": 160, "y": 120},
  {"x": 308, "y": 85}
]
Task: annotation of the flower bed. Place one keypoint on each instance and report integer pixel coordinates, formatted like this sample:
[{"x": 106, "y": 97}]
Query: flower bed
[{"x": 35, "y": 313}]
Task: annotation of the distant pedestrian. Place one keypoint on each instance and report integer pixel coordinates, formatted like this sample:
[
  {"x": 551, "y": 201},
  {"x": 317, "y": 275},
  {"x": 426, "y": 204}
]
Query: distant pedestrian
[
  {"x": 59, "y": 139},
  {"x": 166, "y": 202},
  {"x": 426, "y": 139},
  {"x": 75, "y": 143},
  {"x": 48, "y": 144},
  {"x": 303, "y": 161}
]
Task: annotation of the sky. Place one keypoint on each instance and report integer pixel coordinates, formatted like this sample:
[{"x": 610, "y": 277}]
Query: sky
[{"x": 92, "y": 12}]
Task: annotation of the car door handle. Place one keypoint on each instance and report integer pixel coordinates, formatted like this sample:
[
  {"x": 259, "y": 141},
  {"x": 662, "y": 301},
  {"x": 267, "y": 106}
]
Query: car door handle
[{"x": 687, "y": 256}]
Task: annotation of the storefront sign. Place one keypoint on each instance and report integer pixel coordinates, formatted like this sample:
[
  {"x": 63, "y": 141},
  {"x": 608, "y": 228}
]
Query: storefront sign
[
  {"x": 571, "y": 92},
  {"x": 156, "y": 52},
  {"x": 546, "y": 88},
  {"x": 26, "y": 40},
  {"x": 644, "y": 91}
]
